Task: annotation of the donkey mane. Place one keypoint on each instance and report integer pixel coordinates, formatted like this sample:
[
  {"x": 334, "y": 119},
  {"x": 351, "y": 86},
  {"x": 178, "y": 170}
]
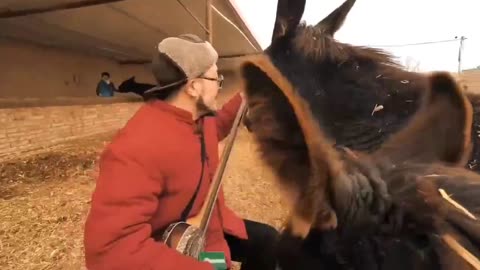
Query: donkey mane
[{"x": 314, "y": 44}]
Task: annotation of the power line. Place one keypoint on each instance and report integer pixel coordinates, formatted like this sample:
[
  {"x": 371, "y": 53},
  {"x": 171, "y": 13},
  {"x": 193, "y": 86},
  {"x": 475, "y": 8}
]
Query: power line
[
  {"x": 415, "y": 44},
  {"x": 462, "y": 39}
]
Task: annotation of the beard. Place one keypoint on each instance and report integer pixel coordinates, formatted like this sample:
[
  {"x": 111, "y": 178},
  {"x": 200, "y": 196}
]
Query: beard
[{"x": 203, "y": 108}]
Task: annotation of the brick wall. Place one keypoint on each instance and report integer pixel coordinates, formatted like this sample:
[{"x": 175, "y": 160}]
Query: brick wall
[{"x": 30, "y": 130}]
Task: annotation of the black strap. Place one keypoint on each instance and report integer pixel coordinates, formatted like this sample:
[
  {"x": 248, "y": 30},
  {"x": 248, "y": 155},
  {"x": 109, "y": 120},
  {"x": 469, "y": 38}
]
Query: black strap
[{"x": 203, "y": 156}]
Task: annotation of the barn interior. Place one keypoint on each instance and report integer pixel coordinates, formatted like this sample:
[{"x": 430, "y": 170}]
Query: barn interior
[
  {"x": 54, "y": 51},
  {"x": 53, "y": 127}
]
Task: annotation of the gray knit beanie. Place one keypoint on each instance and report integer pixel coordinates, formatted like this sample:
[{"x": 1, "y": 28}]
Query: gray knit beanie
[{"x": 181, "y": 58}]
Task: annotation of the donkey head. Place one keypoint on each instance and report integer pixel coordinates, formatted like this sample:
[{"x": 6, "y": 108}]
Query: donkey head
[
  {"x": 358, "y": 94},
  {"x": 308, "y": 92},
  {"x": 307, "y": 87}
]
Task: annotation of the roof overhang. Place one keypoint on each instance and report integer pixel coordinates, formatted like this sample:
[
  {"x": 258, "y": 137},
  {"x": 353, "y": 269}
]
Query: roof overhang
[{"x": 126, "y": 31}]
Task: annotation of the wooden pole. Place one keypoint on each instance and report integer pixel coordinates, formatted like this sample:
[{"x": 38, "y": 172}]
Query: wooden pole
[
  {"x": 460, "y": 54},
  {"x": 207, "y": 208},
  {"x": 208, "y": 17},
  {"x": 193, "y": 16}
]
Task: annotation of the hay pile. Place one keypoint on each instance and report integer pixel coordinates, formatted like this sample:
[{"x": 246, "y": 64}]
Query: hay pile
[{"x": 44, "y": 201}]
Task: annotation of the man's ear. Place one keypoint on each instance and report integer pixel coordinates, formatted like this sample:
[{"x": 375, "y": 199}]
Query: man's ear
[
  {"x": 193, "y": 88},
  {"x": 441, "y": 129}
]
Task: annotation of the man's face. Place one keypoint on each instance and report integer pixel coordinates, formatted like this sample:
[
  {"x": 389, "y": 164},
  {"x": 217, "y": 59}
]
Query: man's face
[
  {"x": 105, "y": 77},
  {"x": 209, "y": 86}
]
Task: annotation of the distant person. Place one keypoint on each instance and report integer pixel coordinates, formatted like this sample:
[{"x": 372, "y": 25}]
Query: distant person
[{"x": 105, "y": 87}]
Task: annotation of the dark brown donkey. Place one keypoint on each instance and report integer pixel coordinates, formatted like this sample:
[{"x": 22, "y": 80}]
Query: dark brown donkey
[{"x": 390, "y": 209}]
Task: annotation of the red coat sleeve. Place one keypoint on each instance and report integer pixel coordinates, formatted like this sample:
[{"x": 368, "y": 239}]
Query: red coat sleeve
[
  {"x": 117, "y": 232},
  {"x": 226, "y": 115}
]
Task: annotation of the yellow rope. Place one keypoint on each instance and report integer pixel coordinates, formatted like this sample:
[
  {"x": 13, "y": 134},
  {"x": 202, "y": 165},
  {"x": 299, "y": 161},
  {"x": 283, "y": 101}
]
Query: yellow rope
[
  {"x": 461, "y": 251},
  {"x": 451, "y": 242},
  {"x": 457, "y": 205}
]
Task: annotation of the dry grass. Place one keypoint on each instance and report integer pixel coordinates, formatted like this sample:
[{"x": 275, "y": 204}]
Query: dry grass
[{"x": 44, "y": 201}]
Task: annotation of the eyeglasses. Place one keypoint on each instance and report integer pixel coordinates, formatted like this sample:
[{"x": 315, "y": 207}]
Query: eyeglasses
[{"x": 219, "y": 80}]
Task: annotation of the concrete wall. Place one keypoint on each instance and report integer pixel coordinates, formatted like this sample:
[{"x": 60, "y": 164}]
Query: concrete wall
[{"x": 30, "y": 71}]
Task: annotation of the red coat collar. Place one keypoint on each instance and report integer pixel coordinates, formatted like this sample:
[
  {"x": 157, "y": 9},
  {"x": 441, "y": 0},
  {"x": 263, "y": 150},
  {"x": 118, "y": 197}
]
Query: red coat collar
[{"x": 178, "y": 113}]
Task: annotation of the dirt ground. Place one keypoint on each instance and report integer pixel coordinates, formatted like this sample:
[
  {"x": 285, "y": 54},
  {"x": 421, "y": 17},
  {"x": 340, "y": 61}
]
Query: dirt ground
[{"x": 44, "y": 201}]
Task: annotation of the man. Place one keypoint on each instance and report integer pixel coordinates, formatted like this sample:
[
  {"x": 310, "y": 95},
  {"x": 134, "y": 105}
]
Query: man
[
  {"x": 105, "y": 87},
  {"x": 150, "y": 171}
]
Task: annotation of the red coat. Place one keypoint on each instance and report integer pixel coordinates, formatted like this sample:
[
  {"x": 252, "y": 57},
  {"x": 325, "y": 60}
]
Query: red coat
[{"x": 148, "y": 173}]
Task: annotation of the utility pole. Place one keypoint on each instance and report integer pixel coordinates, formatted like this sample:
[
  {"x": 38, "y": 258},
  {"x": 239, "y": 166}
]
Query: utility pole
[
  {"x": 208, "y": 16},
  {"x": 460, "y": 49}
]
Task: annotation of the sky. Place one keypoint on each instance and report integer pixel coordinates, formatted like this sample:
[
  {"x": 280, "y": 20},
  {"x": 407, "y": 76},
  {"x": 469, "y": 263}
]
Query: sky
[{"x": 393, "y": 22}]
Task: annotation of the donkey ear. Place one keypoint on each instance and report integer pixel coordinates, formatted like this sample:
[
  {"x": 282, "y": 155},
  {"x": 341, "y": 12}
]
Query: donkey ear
[
  {"x": 289, "y": 13},
  {"x": 439, "y": 131},
  {"x": 292, "y": 143},
  {"x": 263, "y": 84},
  {"x": 330, "y": 24}
]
